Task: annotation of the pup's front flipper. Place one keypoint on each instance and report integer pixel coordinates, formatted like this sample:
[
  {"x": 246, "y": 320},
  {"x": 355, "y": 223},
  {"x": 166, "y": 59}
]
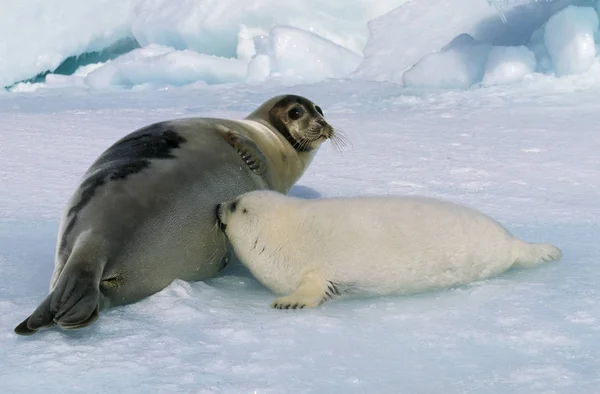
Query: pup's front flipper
[{"x": 313, "y": 290}]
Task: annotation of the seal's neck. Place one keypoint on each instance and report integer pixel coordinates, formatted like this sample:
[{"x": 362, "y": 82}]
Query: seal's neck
[
  {"x": 298, "y": 166},
  {"x": 287, "y": 165}
]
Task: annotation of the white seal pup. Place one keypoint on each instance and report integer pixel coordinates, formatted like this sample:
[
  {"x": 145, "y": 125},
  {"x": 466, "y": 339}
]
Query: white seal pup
[
  {"x": 313, "y": 250},
  {"x": 144, "y": 213}
]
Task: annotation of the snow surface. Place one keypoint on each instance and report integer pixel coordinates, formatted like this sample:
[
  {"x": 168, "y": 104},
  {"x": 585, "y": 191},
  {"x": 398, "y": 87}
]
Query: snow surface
[
  {"x": 527, "y": 155},
  {"x": 521, "y": 144}
]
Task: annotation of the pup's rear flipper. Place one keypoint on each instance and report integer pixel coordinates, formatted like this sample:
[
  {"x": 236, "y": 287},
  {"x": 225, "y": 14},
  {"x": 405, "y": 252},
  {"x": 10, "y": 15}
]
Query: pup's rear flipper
[
  {"x": 530, "y": 254},
  {"x": 73, "y": 303}
]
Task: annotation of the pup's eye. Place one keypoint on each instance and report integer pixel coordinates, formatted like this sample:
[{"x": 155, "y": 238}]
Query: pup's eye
[
  {"x": 319, "y": 110},
  {"x": 296, "y": 113},
  {"x": 245, "y": 210},
  {"x": 233, "y": 206}
]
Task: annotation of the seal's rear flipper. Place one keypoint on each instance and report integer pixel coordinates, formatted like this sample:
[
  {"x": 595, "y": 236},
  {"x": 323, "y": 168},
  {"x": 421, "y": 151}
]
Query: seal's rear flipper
[
  {"x": 531, "y": 254},
  {"x": 41, "y": 317},
  {"x": 73, "y": 303},
  {"x": 76, "y": 322}
]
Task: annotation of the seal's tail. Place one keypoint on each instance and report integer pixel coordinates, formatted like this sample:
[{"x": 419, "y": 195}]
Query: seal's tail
[
  {"x": 530, "y": 254},
  {"x": 72, "y": 303}
]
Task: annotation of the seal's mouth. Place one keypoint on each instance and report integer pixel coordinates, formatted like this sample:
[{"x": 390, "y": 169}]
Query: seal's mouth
[
  {"x": 318, "y": 133},
  {"x": 320, "y": 129},
  {"x": 327, "y": 133},
  {"x": 219, "y": 213}
]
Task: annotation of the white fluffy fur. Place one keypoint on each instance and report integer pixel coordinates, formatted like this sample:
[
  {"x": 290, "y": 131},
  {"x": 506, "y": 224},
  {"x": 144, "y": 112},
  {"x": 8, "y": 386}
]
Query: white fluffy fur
[{"x": 313, "y": 249}]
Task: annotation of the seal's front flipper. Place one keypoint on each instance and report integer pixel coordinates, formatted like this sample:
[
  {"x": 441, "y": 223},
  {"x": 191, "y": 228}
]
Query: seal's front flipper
[
  {"x": 248, "y": 150},
  {"x": 311, "y": 292}
]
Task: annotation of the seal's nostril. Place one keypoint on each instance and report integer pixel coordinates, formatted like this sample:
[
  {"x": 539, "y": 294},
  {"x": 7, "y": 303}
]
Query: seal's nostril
[{"x": 218, "y": 210}]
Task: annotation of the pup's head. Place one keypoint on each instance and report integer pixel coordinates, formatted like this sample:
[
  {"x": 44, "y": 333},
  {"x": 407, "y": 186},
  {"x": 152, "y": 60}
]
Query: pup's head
[{"x": 242, "y": 214}]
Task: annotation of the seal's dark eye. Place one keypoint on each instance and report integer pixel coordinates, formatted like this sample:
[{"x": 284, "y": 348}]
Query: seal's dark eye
[
  {"x": 245, "y": 210},
  {"x": 319, "y": 110},
  {"x": 296, "y": 113},
  {"x": 233, "y": 206}
]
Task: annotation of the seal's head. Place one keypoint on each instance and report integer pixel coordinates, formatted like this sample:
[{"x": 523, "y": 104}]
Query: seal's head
[{"x": 300, "y": 121}]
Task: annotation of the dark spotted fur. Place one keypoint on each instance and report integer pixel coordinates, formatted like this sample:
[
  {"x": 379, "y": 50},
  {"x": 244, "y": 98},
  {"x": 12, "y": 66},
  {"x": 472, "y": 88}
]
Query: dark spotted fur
[{"x": 127, "y": 156}]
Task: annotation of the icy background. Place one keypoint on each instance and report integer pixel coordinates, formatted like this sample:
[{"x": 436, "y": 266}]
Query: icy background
[
  {"x": 439, "y": 98},
  {"x": 152, "y": 44}
]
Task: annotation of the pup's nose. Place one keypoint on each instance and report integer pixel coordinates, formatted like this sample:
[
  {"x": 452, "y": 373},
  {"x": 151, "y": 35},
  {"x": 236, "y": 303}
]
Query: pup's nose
[{"x": 221, "y": 225}]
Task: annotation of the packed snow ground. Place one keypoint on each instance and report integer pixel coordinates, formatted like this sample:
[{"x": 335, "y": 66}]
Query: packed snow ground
[
  {"x": 526, "y": 155},
  {"x": 524, "y": 152}
]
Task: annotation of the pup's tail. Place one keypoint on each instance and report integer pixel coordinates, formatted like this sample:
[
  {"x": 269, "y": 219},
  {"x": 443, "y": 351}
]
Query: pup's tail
[
  {"x": 74, "y": 300},
  {"x": 531, "y": 254}
]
